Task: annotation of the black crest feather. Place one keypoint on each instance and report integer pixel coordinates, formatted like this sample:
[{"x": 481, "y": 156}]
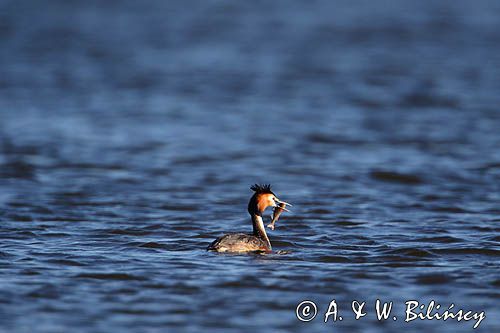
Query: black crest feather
[{"x": 264, "y": 188}]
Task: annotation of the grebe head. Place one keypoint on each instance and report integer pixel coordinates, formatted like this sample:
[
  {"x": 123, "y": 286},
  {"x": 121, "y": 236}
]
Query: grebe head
[{"x": 263, "y": 198}]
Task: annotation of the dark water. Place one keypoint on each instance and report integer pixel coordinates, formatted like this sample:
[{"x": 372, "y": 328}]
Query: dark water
[{"x": 130, "y": 133}]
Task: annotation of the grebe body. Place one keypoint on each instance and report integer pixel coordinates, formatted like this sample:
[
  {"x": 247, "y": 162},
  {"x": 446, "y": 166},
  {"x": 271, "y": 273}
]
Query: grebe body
[{"x": 239, "y": 243}]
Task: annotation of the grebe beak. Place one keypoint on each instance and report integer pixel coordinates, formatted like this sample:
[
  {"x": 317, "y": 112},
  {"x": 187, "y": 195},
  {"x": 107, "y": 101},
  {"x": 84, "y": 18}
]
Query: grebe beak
[
  {"x": 283, "y": 203},
  {"x": 283, "y": 208}
]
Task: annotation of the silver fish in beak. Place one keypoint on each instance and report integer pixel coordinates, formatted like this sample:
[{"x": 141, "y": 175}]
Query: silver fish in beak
[{"x": 278, "y": 209}]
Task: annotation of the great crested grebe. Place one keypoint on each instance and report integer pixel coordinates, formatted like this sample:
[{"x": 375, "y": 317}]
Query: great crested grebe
[{"x": 258, "y": 241}]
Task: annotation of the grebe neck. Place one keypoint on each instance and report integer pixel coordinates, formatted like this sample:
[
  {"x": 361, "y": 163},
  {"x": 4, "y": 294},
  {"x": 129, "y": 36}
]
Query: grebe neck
[{"x": 259, "y": 230}]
